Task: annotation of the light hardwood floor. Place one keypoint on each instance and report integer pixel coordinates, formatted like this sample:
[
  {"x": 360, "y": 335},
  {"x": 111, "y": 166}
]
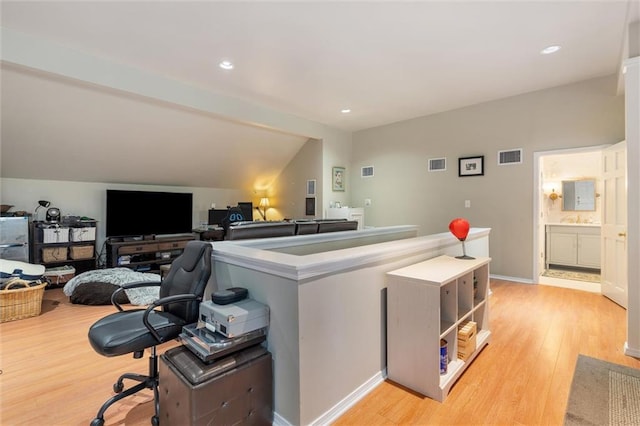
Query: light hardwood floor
[{"x": 51, "y": 376}]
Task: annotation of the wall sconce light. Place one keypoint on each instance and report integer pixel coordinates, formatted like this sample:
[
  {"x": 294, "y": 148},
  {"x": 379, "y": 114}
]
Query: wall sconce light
[
  {"x": 264, "y": 203},
  {"x": 549, "y": 190}
]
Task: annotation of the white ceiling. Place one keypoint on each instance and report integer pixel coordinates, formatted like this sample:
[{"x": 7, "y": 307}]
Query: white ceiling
[{"x": 387, "y": 61}]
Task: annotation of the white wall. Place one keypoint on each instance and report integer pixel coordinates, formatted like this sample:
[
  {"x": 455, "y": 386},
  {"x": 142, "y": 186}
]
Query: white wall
[
  {"x": 289, "y": 191},
  {"x": 89, "y": 199},
  {"x": 74, "y": 66},
  {"x": 572, "y": 166},
  {"x": 632, "y": 129},
  {"x": 327, "y": 331},
  {"x": 402, "y": 191},
  {"x": 336, "y": 153}
]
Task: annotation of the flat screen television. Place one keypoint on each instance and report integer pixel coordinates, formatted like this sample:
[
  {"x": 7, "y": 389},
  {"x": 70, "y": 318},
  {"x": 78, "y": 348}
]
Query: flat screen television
[{"x": 137, "y": 213}]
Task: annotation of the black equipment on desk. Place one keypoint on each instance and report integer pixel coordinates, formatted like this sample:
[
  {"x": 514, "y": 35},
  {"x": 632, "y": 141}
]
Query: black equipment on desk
[
  {"x": 229, "y": 295},
  {"x": 209, "y": 345},
  {"x": 53, "y": 214}
]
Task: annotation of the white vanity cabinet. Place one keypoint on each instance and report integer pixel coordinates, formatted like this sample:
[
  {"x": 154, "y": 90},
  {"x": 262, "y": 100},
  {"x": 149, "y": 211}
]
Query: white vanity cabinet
[
  {"x": 577, "y": 246},
  {"x": 426, "y": 303}
]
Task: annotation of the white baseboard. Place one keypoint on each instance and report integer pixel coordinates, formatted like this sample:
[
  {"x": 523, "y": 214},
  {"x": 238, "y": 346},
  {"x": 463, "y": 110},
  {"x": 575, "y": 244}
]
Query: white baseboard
[
  {"x": 631, "y": 351},
  {"x": 278, "y": 420},
  {"x": 340, "y": 408},
  {"x": 514, "y": 279}
]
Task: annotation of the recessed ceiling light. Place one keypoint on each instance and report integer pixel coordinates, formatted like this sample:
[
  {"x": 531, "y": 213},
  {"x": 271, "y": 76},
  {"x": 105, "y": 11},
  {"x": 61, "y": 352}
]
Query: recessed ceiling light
[
  {"x": 345, "y": 110},
  {"x": 226, "y": 65},
  {"x": 550, "y": 49}
]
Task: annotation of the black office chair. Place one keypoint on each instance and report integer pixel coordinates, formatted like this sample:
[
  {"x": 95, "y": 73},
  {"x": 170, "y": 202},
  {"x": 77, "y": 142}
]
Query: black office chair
[{"x": 132, "y": 331}]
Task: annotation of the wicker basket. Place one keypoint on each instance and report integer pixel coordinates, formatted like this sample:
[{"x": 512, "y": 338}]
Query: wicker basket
[
  {"x": 54, "y": 254},
  {"x": 18, "y": 303},
  {"x": 86, "y": 233},
  {"x": 81, "y": 252},
  {"x": 55, "y": 235},
  {"x": 59, "y": 275}
]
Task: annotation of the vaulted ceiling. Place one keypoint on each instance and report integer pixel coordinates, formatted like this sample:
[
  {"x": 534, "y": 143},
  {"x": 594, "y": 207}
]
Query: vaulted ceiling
[{"x": 385, "y": 61}]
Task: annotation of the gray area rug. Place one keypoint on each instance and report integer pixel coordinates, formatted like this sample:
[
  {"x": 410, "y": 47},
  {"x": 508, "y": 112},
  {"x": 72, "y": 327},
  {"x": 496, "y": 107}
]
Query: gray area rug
[
  {"x": 572, "y": 275},
  {"x": 603, "y": 393}
]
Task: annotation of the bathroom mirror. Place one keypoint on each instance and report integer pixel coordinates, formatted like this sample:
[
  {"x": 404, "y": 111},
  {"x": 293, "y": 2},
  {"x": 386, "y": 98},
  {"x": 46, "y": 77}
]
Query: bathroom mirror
[{"x": 579, "y": 195}]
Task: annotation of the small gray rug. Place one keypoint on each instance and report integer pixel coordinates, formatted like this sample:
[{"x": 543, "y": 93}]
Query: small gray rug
[
  {"x": 572, "y": 275},
  {"x": 603, "y": 393}
]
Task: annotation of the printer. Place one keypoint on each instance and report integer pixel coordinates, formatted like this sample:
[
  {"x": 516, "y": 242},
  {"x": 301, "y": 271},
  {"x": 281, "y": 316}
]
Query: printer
[
  {"x": 205, "y": 380},
  {"x": 234, "y": 319},
  {"x": 225, "y": 329}
]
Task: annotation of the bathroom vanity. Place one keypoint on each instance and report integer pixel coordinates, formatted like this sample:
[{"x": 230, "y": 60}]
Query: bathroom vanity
[{"x": 575, "y": 245}]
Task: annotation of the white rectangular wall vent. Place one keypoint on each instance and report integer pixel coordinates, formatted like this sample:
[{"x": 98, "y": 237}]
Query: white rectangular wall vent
[
  {"x": 437, "y": 164},
  {"x": 511, "y": 156},
  {"x": 367, "y": 172},
  {"x": 311, "y": 187}
]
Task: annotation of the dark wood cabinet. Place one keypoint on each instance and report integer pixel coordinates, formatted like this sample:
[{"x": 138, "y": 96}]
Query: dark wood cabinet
[
  {"x": 64, "y": 244},
  {"x": 145, "y": 255}
]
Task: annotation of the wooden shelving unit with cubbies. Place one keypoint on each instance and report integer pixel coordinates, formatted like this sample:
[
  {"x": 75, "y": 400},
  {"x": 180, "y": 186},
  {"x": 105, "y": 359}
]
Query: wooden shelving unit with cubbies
[
  {"x": 427, "y": 302},
  {"x": 64, "y": 244}
]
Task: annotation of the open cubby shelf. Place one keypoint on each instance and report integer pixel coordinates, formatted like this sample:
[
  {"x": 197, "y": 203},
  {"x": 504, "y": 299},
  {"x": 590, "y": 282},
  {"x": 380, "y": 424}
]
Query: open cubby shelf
[{"x": 426, "y": 303}]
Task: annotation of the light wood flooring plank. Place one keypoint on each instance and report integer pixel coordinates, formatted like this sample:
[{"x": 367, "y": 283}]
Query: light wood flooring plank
[
  {"x": 524, "y": 375},
  {"x": 50, "y": 375}
]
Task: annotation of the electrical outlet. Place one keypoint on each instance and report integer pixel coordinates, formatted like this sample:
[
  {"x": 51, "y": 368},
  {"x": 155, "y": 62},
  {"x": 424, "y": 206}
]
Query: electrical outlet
[
  {"x": 367, "y": 202},
  {"x": 467, "y": 204}
]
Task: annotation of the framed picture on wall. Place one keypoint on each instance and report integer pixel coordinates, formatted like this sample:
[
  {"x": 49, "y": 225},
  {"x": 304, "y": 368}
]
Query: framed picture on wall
[
  {"x": 310, "y": 206},
  {"x": 338, "y": 179},
  {"x": 471, "y": 166},
  {"x": 311, "y": 187}
]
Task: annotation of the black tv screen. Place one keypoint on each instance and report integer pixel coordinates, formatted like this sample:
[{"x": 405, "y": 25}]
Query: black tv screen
[{"x": 135, "y": 213}]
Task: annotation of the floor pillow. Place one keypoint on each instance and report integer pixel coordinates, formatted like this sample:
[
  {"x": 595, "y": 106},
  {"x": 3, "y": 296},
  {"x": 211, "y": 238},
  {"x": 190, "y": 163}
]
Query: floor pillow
[
  {"x": 96, "y": 287},
  {"x": 97, "y": 293}
]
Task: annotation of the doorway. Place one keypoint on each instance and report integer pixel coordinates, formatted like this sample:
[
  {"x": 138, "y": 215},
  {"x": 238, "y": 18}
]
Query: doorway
[{"x": 558, "y": 229}]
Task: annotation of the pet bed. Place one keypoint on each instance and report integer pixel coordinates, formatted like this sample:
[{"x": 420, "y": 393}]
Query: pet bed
[
  {"x": 11, "y": 269},
  {"x": 96, "y": 287}
]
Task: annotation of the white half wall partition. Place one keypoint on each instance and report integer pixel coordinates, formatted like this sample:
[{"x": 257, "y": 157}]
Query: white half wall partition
[{"x": 327, "y": 300}]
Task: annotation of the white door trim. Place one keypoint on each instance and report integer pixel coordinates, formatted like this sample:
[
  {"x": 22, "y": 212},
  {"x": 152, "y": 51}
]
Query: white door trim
[{"x": 537, "y": 197}]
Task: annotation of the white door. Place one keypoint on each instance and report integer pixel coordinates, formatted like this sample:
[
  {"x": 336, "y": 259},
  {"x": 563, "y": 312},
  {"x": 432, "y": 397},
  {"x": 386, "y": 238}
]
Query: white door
[{"x": 614, "y": 224}]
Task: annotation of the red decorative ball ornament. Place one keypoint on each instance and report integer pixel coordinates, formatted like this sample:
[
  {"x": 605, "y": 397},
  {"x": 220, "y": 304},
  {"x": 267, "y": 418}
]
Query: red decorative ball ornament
[{"x": 459, "y": 227}]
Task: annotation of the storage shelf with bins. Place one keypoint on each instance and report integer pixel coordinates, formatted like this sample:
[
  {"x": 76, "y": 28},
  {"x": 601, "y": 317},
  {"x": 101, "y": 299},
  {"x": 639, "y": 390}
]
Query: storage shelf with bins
[
  {"x": 145, "y": 255},
  {"x": 60, "y": 244},
  {"x": 426, "y": 303}
]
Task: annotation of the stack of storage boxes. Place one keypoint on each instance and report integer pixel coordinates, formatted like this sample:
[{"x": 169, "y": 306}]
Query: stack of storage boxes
[
  {"x": 54, "y": 235},
  {"x": 466, "y": 339},
  {"x": 78, "y": 234},
  {"x": 223, "y": 373}
]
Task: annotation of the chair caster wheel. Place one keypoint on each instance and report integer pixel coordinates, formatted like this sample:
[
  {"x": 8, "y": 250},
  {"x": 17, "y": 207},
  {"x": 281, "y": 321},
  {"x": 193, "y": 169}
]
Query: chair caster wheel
[
  {"x": 118, "y": 387},
  {"x": 97, "y": 422},
  {"x": 155, "y": 421}
]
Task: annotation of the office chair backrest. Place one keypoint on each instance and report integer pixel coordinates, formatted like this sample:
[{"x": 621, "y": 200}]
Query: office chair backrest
[{"x": 189, "y": 274}]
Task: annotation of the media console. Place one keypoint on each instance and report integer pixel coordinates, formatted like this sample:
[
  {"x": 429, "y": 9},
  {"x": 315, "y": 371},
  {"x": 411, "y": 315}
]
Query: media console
[{"x": 145, "y": 255}]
